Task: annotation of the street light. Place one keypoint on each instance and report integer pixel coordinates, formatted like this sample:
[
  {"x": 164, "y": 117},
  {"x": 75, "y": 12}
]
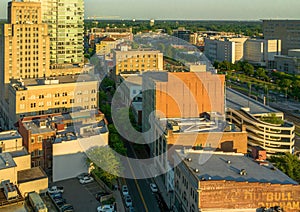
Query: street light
[{"x": 171, "y": 195}]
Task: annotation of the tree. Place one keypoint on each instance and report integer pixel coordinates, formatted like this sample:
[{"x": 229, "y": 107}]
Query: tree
[
  {"x": 286, "y": 83},
  {"x": 106, "y": 163},
  {"x": 260, "y": 72},
  {"x": 273, "y": 119},
  {"x": 248, "y": 69},
  {"x": 289, "y": 164},
  {"x": 102, "y": 97}
]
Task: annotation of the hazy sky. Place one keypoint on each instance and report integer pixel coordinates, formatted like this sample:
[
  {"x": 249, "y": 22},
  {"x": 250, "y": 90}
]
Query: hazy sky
[{"x": 189, "y": 9}]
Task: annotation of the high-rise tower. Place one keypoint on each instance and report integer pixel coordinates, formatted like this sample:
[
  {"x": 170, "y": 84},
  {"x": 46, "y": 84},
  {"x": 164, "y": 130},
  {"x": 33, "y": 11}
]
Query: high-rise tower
[
  {"x": 65, "y": 21},
  {"x": 24, "y": 43}
]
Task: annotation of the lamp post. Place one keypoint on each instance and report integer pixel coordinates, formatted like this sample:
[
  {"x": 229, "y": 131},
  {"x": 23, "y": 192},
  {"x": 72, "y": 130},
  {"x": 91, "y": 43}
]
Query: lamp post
[{"x": 170, "y": 195}]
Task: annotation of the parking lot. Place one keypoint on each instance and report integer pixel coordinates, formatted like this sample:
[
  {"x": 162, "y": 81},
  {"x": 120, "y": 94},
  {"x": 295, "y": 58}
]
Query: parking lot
[{"x": 82, "y": 197}]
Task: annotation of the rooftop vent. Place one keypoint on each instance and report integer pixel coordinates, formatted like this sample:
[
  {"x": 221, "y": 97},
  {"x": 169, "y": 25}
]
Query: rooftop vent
[
  {"x": 189, "y": 159},
  {"x": 243, "y": 172}
]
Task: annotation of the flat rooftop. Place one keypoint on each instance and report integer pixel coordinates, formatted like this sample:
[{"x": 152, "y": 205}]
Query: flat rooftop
[
  {"x": 236, "y": 101},
  {"x": 19, "y": 153},
  {"x": 215, "y": 166},
  {"x": 9, "y": 135},
  {"x": 132, "y": 79},
  {"x": 19, "y": 84},
  {"x": 32, "y": 174},
  {"x": 6, "y": 161},
  {"x": 33, "y": 125}
]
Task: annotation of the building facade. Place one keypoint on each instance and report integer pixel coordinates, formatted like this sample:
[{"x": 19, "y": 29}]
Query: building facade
[
  {"x": 45, "y": 96},
  {"x": 262, "y": 52},
  {"x": 136, "y": 61},
  {"x": 25, "y": 42},
  {"x": 274, "y": 138},
  {"x": 289, "y": 63},
  {"x": 56, "y": 141},
  {"x": 105, "y": 46},
  {"x": 10, "y": 141},
  {"x": 288, "y": 31},
  {"x": 230, "y": 182},
  {"x": 65, "y": 22},
  {"x": 224, "y": 49}
]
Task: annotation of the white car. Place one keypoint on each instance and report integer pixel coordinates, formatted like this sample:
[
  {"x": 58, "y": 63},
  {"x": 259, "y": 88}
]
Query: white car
[
  {"x": 128, "y": 201},
  {"x": 56, "y": 189},
  {"x": 153, "y": 187},
  {"x": 125, "y": 190},
  {"x": 106, "y": 208},
  {"x": 86, "y": 180}
]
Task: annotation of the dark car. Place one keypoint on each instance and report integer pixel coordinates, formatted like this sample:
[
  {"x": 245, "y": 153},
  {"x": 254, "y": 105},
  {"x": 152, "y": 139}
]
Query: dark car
[
  {"x": 100, "y": 194},
  {"x": 56, "y": 195},
  {"x": 66, "y": 207}
]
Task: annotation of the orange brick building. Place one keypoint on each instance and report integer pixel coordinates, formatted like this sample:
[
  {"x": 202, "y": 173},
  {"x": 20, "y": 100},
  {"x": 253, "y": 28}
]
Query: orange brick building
[{"x": 183, "y": 94}]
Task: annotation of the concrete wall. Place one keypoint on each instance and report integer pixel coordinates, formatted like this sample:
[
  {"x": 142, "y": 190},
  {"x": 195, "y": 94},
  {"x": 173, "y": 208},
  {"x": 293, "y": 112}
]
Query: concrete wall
[
  {"x": 23, "y": 162},
  {"x": 39, "y": 186},
  {"x": 69, "y": 160},
  {"x": 8, "y": 174}
]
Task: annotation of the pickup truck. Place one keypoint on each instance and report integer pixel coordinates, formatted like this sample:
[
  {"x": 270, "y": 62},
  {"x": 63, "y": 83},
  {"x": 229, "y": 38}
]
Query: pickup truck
[{"x": 56, "y": 189}]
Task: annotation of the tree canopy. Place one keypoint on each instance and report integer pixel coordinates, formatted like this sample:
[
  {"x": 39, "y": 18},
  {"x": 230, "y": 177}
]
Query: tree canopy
[{"x": 289, "y": 164}]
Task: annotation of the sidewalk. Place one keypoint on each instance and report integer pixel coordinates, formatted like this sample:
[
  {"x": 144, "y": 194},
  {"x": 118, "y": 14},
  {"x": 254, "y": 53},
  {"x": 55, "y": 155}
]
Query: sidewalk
[
  {"x": 167, "y": 197},
  {"x": 119, "y": 201}
]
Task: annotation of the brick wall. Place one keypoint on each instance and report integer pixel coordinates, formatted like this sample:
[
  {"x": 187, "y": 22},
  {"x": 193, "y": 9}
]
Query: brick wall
[{"x": 227, "y": 194}]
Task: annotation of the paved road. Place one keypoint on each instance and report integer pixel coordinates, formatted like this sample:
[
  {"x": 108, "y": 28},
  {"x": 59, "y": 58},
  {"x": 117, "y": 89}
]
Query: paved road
[{"x": 143, "y": 198}]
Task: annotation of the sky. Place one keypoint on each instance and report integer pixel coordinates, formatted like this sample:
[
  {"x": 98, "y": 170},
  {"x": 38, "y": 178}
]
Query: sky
[{"x": 188, "y": 9}]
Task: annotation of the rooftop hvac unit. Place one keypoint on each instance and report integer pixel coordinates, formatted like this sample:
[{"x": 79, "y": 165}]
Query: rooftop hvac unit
[{"x": 10, "y": 190}]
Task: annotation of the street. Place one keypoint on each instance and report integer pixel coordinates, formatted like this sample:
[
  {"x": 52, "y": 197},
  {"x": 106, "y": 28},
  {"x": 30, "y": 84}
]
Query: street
[{"x": 139, "y": 189}]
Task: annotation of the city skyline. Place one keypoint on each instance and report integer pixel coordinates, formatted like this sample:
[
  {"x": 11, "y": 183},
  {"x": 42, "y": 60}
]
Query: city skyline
[{"x": 214, "y": 10}]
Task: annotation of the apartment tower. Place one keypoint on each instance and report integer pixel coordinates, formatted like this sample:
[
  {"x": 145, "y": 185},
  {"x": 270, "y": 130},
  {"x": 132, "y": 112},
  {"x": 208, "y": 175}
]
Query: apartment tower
[{"x": 65, "y": 20}]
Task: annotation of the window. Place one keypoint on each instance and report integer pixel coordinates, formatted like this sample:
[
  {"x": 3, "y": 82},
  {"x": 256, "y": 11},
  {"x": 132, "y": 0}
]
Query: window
[
  {"x": 40, "y": 139},
  {"x": 32, "y": 140}
]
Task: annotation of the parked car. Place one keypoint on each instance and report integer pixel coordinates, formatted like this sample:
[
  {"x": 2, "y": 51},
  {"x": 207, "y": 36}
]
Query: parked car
[
  {"x": 82, "y": 175},
  {"x": 106, "y": 208},
  {"x": 56, "y": 195},
  {"x": 131, "y": 209},
  {"x": 100, "y": 194},
  {"x": 128, "y": 201},
  {"x": 153, "y": 187},
  {"x": 86, "y": 180},
  {"x": 66, "y": 207},
  {"x": 60, "y": 203},
  {"x": 59, "y": 199},
  {"x": 56, "y": 189},
  {"x": 125, "y": 190}
]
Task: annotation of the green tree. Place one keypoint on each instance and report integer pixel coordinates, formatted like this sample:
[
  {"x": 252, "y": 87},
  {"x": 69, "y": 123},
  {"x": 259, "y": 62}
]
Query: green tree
[
  {"x": 289, "y": 164},
  {"x": 102, "y": 97},
  {"x": 248, "y": 69},
  {"x": 273, "y": 119},
  {"x": 286, "y": 83},
  {"x": 106, "y": 163}
]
